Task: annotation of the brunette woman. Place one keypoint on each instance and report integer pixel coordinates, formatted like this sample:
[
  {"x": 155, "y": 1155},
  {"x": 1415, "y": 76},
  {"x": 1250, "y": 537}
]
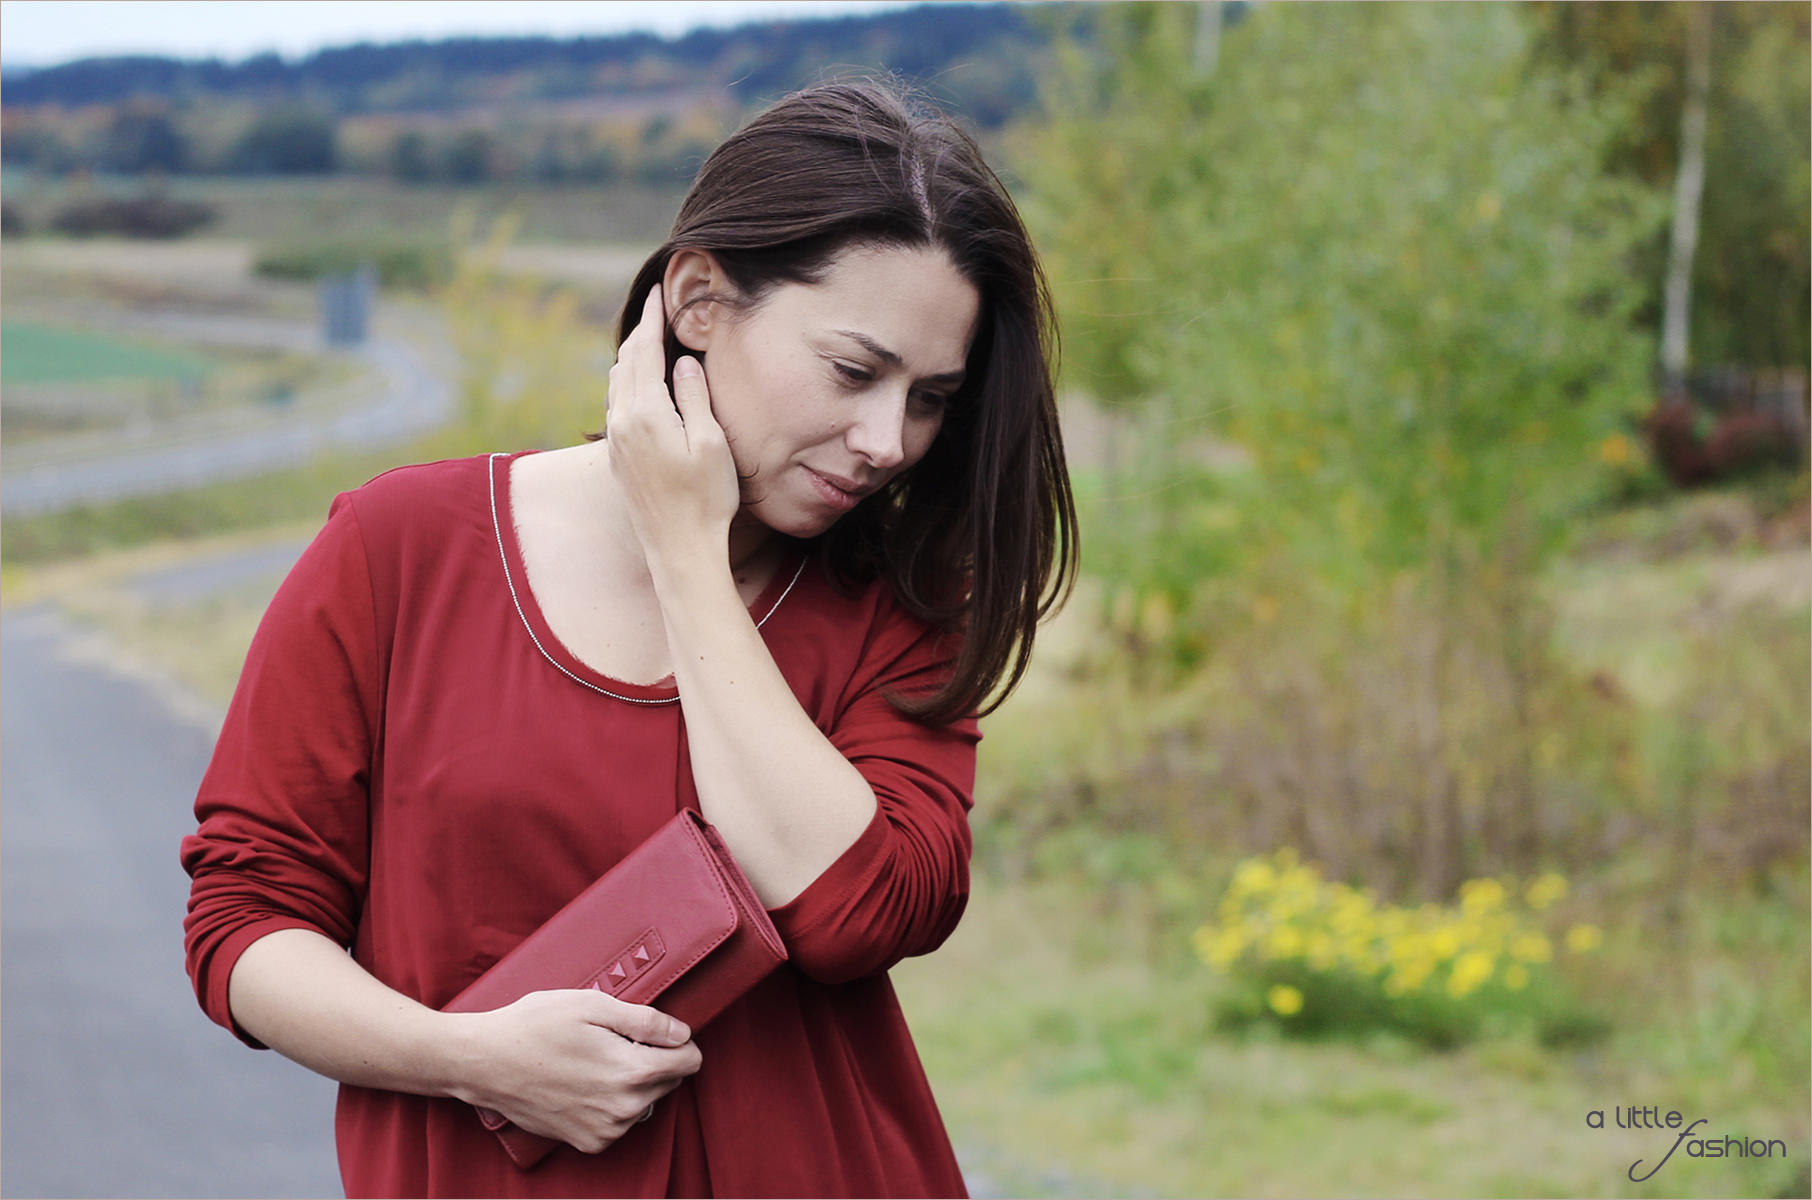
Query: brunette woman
[{"x": 816, "y": 543}]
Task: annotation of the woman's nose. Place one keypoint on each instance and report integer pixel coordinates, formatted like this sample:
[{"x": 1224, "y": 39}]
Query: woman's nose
[{"x": 878, "y": 434}]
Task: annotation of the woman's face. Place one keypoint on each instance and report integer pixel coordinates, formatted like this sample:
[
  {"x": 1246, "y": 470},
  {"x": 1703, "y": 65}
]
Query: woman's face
[{"x": 826, "y": 391}]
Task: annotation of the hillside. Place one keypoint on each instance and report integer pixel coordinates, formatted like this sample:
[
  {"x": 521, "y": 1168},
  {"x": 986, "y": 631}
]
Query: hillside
[{"x": 977, "y": 55}]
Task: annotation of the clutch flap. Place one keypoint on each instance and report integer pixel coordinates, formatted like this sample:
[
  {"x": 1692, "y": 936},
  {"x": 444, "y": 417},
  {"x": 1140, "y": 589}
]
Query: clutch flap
[{"x": 639, "y": 927}]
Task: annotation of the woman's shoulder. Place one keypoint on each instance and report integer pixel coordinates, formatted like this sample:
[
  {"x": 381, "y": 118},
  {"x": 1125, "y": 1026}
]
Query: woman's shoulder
[
  {"x": 417, "y": 483},
  {"x": 423, "y": 498}
]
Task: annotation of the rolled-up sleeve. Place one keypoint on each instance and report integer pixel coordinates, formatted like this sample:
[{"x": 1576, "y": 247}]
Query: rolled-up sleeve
[
  {"x": 282, "y": 840},
  {"x": 900, "y": 889}
]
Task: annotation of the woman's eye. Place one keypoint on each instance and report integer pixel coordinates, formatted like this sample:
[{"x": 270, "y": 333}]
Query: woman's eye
[
  {"x": 930, "y": 403},
  {"x": 853, "y": 374}
]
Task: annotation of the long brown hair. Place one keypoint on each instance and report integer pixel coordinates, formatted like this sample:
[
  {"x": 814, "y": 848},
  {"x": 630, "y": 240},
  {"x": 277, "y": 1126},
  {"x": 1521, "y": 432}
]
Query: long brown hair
[{"x": 979, "y": 538}]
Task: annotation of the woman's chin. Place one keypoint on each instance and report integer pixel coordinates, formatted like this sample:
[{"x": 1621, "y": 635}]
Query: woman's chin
[{"x": 792, "y": 522}]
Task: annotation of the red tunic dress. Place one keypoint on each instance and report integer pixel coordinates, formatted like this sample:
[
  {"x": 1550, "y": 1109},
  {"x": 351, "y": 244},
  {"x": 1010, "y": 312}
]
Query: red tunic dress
[{"x": 414, "y": 766}]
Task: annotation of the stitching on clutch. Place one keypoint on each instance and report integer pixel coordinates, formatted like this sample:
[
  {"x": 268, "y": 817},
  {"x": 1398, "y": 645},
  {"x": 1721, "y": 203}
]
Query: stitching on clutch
[{"x": 649, "y": 939}]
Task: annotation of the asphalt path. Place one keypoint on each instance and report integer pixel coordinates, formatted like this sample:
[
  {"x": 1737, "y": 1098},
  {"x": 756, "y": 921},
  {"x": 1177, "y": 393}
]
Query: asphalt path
[
  {"x": 113, "y": 1082},
  {"x": 91, "y": 469}
]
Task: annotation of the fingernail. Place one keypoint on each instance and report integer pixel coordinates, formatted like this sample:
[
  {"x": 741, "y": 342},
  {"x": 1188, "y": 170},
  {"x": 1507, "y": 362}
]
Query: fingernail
[
  {"x": 687, "y": 368},
  {"x": 678, "y": 1033}
]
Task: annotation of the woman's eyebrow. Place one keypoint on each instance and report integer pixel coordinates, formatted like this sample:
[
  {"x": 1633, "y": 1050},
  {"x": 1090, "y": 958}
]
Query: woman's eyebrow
[{"x": 890, "y": 358}]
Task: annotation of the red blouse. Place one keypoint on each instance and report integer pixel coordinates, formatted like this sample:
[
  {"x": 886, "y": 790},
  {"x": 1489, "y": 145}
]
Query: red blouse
[{"x": 414, "y": 766}]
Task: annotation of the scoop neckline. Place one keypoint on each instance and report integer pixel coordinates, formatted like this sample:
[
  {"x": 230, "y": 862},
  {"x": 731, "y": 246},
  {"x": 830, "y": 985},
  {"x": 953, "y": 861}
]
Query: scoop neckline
[{"x": 515, "y": 572}]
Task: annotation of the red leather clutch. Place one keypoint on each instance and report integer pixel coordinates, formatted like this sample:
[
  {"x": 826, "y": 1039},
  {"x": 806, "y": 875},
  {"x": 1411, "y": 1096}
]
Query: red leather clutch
[{"x": 676, "y": 921}]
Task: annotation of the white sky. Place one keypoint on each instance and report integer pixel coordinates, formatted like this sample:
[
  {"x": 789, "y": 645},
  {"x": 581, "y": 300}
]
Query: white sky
[{"x": 46, "y": 32}]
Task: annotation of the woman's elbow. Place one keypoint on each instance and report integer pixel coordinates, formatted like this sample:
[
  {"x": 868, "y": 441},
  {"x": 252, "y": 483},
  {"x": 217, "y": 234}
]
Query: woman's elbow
[{"x": 855, "y": 944}]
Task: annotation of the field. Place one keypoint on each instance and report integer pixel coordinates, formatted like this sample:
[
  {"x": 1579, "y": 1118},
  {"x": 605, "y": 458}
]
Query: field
[
  {"x": 32, "y": 353},
  {"x": 269, "y": 212}
]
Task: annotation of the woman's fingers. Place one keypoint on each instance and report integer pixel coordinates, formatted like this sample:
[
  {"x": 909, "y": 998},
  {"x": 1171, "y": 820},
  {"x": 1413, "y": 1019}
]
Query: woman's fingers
[
  {"x": 580, "y": 1065},
  {"x": 638, "y": 381},
  {"x": 637, "y": 1022},
  {"x": 640, "y": 360},
  {"x": 691, "y": 394}
]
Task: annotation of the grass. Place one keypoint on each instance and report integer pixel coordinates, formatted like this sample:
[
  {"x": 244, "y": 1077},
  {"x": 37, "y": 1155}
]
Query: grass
[
  {"x": 1090, "y": 1069},
  {"x": 32, "y": 353},
  {"x": 69, "y": 381},
  {"x": 1067, "y": 1027},
  {"x": 239, "y": 505}
]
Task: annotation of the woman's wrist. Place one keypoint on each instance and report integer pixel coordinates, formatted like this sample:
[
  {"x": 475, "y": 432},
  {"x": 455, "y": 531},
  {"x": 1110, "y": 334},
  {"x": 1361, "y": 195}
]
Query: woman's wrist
[
  {"x": 456, "y": 1053},
  {"x": 689, "y": 576}
]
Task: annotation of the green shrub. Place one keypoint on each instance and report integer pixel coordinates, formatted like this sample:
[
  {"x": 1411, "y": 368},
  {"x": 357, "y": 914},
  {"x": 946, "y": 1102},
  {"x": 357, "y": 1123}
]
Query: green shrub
[
  {"x": 401, "y": 265},
  {"x": 141, "y": 217}
]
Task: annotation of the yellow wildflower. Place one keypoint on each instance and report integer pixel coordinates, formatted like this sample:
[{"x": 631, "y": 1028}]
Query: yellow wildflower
[
  {"x": 1444, "y": 943},
  {"x": 1545, "y": 891},
  {"x": 1481, "y": 896},
  {"x": 1285, "y": 942},
  {"x": 1469, "y": 970},
  {"x": 1219, "y": 948},
  {"x": 1409, "y": 976},
  {"x": 1584, "y": 938},
  {"x": 1284, "y": 1000},
  {"x": 1254, "y": 876},
  {"x": 1531, "y": 948}
]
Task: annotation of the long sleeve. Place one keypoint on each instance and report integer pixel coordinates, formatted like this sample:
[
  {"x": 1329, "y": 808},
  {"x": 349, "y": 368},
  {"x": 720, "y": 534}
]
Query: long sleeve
[
  {"x": 900, "y": 889},
  {"x": 283, "y": 837}
]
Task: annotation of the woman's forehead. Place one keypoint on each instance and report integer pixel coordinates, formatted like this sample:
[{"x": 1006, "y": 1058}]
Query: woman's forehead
[{"x": 911, "y": 307}]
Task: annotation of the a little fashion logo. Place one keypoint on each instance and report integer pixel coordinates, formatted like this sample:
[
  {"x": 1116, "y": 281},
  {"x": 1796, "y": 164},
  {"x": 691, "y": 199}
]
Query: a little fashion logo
[{"x": 1697, "y": 1146}]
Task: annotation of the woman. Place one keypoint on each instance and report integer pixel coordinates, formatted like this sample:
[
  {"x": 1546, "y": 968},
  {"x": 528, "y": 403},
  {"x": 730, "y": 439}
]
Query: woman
[{"x": 780, "y": 590}]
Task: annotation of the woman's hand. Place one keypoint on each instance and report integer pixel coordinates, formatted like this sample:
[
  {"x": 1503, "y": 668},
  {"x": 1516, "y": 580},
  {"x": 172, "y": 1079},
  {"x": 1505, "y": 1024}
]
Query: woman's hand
[
  {"x": 579, "y": 1066},
  {"x": 668, "y": 451}
]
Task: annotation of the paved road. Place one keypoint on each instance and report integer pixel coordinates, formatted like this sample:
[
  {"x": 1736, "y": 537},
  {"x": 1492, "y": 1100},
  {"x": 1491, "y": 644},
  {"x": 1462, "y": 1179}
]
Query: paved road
[
  {"x": 89, "y": 469},
  {"x": 114, "y": 1083}
]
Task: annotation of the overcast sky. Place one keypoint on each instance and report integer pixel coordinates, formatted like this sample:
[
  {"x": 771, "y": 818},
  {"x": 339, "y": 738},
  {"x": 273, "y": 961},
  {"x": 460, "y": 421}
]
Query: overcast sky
[{"x": 46, "y": 32}]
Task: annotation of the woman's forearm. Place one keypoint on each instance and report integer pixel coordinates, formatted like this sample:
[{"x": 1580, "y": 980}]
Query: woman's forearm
[
  {"x": 304, "y": 997},
  {"x": 786, "y": 801}
]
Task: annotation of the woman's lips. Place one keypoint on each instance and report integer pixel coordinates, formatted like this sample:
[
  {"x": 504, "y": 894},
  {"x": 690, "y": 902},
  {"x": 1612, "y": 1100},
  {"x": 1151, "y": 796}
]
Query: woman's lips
[{"x": 840, "y": 494}]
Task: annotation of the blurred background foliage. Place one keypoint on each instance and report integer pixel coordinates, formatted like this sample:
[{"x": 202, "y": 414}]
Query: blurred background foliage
[
  {"x": 1377, "y": 266},
  {"x": 1396, "y": 562},
  {"x": 1750, "y": 279}
]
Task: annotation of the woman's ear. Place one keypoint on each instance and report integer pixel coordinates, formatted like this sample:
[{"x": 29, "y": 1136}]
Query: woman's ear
[{"x": 692, "y": 275}]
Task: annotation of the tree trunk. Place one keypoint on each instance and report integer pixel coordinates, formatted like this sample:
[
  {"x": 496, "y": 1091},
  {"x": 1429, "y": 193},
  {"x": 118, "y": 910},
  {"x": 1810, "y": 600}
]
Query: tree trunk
[
  {"x": 1689, "y": 186},
  {"x": 1207, "y": 37}
]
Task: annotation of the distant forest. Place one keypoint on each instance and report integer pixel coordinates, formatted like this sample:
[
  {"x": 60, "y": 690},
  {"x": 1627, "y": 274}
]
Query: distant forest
[{"x": 633, "y": 106}]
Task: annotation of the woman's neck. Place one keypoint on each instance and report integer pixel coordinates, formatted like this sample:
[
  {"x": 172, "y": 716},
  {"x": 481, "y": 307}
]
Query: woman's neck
[{"x": 752, "y": 545}]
